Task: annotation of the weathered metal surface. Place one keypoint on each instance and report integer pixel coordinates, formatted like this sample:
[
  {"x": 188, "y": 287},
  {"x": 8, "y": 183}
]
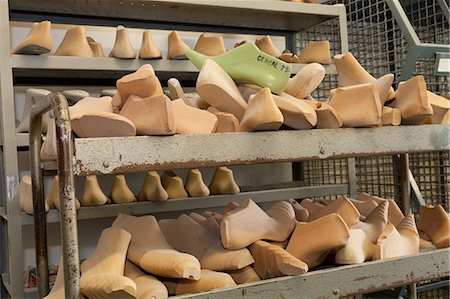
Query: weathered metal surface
[
  {"x": 343, "y": 281},
  {"x": 37, "y": 186},
  {"x": 284, "y": 16},
  {"x": 129, "y": 154},
  {"x": 69, "y": 233}
]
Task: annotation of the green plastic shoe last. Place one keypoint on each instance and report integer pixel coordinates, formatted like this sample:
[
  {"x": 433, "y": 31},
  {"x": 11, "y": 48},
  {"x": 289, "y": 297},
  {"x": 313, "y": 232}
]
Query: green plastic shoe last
[{"x": 248, "y": 63}]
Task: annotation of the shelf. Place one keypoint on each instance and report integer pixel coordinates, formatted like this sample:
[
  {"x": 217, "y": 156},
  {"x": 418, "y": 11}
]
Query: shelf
[
  {"x": 338, "y": 282},
  {"x": 108, "y": 68},
  {"x": 191, "y": 204},
  {"x": 131, "y": 154},
  {"x": 283, "y": 16}
]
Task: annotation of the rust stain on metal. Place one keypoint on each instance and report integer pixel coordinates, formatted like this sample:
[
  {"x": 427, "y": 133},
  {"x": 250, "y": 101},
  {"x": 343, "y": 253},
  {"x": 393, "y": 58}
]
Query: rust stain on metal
[{"x": 362, "y": 278}]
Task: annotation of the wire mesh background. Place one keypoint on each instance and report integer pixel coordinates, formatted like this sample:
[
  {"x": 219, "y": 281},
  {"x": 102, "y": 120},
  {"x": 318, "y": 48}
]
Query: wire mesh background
[{"x": 378, "y": 44}]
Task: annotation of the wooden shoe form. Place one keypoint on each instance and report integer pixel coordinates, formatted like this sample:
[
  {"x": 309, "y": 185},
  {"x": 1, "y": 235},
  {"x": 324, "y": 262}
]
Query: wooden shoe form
[
  {"x": 122, "y": 47},
  {"x": 75, "y": 44},
  {"x": 248, "y": 63},
  {"x": 217, "y": 88},
  {"x": 93, "y": 195},
  {"x": 244, "y": 275},
  {"x": 358, "y": 105},
  {"x": 327, "y": 116},
  {"x": 297, "y": 113},
  {"x": 152, "y": 189},
  {"x": 289, "y": 57},
  {"x": 89, "y": 104},
  {"x": 249, "y": 223},
  {"x": 142, "y": 83},
  {"x": 390, "y": 116},
  {"x": 350, "y": 72},
  {"x": 102, "y": 274},
  {"x": 375, "y": 223},
  {"x": 48, "y": 148},
  {"x": 356, "y": 250},
  {"x": 310, "y": 206},
  {"x": 266, "y": 45},
  {"x": 190, "y": 120},
  {"x": 411, "y": 98},
  {"x": 226, "y": 122},
  {"x": 176, "y": 46},
  {"x": 209, "y": 280},
  {"x": 301, "y": 214},
  {"x": 305, "y": 81},
  {"x": 58, "y": 291},
  {"x": 192, "y": 99},
  {"x": 148, "y": 48},
  {"x": 147, "y": 286},
  {"x": 186, "y": 235},
  {"x": 38, "y": 40},
  {"x": 435, "y": 223},
  {"x": 341, "y": 206},
  {"x": 120, "y": 192},
  {"x": 398, "y": 241},
  {"x": 223, "y": 182},
  {"x": 150, "y": 116},
  {"x": 395, "y": 215},
  {"x": 195, "y": 185},
  {"x": 310, "y": 242},
  {"x": 316, "y": 51},
  {"x": 272, "y": 261},
  {"x": 216, "y": 216},
  {"x": 96, "y": 48},
  {"x": 52, "y": 199},
  {"x": 74, "y": 95},
  {"x": 262, "y": 113},
  {"x": 441, "y": 108},
  {"x": 173, "y": 185},
  {"x": 150, "y": 250},
  {"x": 210, "y": 45},
  {"x": 384, "y": 86},
  {"x": 32, "y": 96},
  {"x": 365, "y": 207},
  {"x": 104, "y": 124},
  {"x": 26, "y": 196}
]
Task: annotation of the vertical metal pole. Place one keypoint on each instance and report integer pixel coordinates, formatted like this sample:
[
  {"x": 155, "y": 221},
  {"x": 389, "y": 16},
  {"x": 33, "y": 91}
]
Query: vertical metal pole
[
  {"x": 406, "y": 201},
  {"x": 343, "y": 28},
  {"x": 69, "y": 232},
  {"x": 352, "y": 186},
  {"x": 10, "y": 161},
  {"x": 404, "y": 183},
  {"x": 412, "y": 291}
]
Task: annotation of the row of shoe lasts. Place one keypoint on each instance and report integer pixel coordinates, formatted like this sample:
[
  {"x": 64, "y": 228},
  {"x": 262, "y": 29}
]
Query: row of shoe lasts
[
  {"x": 153, "y": 189},
  {"x": 200, "y": 252},
  {"x": 75, "y": 43}
]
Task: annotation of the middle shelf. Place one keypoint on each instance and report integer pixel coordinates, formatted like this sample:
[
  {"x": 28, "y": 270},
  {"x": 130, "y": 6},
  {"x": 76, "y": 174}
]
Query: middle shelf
[
  {"x": 142, "y": 153},
  {"x": 108, "y": 68}
]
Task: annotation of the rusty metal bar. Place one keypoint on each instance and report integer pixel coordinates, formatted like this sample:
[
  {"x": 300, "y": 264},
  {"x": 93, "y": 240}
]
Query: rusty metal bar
[{"x": 69, "y": 233}]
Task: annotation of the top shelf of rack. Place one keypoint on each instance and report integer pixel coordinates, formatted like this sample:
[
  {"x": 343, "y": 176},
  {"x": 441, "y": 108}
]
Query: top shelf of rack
[
  {"x": 132, "y": 154},
  {"x": 261, "y": 15}
]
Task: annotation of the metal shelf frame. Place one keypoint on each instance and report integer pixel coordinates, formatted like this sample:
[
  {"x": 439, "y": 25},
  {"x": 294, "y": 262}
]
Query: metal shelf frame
[
  {"x": 200, "y": 15},
  {"x": 250, "y": 17}
]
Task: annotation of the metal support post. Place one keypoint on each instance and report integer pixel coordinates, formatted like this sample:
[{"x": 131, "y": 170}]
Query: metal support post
[
  {"x": 352, "y": 184},
  {"x": 10, "y": 163},
  {"x": 406, "y": 201},
  {"x": 69, "y": 233}
]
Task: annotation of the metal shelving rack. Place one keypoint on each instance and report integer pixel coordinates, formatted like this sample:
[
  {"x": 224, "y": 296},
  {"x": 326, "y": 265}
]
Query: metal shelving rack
[{"x": 229, "y": 16}]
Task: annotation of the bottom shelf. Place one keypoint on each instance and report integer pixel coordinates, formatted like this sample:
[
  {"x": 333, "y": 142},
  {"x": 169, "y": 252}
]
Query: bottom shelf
[{"x": 345, "y": 280}]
